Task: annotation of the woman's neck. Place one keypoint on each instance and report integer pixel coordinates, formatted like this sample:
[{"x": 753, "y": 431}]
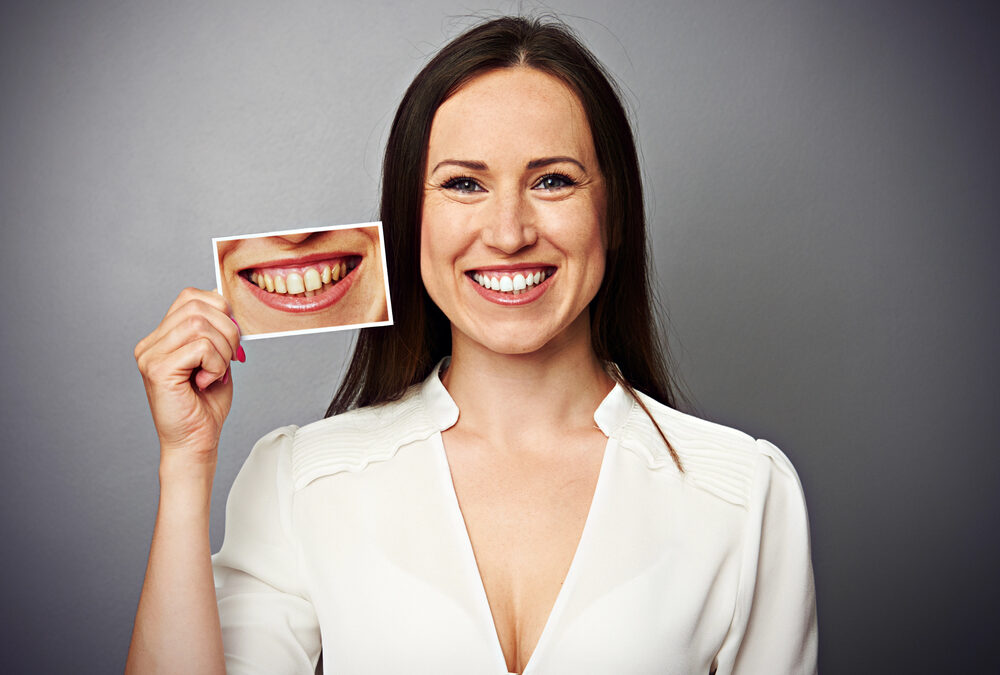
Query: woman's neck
[{"x": 512, "y": 397}]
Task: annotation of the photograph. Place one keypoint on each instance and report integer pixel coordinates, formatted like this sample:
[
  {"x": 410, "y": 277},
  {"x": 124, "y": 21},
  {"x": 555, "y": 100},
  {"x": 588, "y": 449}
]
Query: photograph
[{"x": 300, "y": 281}]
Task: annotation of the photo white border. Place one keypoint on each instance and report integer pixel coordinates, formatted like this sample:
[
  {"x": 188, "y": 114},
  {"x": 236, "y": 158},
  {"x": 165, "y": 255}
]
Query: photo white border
[{"x": 301, "y": 230}]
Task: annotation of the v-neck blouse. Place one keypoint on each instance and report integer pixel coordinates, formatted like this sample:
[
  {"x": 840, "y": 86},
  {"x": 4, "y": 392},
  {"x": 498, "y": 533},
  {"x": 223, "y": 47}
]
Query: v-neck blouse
[{"x": 345, "y": 536}]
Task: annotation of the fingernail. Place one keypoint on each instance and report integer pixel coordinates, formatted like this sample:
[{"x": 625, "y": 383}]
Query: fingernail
[
  {"x": 225, "y": 378},
  {"x": 235, "y": 321},
  {"x": 241, "y": 355}
]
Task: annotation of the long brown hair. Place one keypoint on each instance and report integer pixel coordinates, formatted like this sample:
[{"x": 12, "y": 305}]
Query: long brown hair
[{"x": 623, "y": 328}]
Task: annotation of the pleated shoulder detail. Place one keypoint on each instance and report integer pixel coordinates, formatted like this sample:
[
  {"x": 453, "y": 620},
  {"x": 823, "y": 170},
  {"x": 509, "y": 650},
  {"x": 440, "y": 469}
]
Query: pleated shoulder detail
[
  {"x": 353, "y": 440},
  {"x": 717, "y": 459}
]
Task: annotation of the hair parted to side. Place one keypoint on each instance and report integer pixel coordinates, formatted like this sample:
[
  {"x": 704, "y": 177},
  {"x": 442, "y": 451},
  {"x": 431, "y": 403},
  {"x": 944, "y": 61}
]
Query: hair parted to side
[{"x": 623, "y": 328}]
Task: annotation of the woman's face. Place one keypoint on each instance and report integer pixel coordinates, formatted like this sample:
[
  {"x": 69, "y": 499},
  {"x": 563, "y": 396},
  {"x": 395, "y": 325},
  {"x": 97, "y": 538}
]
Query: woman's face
[
  {"x": 304, "y": 281},
  {"x": 512, "y": 242}
]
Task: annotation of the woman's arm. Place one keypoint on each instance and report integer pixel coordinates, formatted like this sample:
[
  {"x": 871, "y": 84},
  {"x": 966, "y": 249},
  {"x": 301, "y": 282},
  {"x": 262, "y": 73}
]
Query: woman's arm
[
  {"x": 774, "y": 628},
  {"x": 185, "y": 369},
  {"x": 177, "y": 623}
]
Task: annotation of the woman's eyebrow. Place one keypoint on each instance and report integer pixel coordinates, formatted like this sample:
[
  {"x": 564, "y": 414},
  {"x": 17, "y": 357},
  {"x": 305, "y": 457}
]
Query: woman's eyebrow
[
  {"x": 533, "y": 164},
  {"x": 546, "y": 161},
  {"x": 475, "y": 166}
]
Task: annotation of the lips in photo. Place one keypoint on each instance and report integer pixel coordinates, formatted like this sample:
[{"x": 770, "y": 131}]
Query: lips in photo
[
  {"x": 299, "y": 281},
  {"x": 303, "y": 285}
]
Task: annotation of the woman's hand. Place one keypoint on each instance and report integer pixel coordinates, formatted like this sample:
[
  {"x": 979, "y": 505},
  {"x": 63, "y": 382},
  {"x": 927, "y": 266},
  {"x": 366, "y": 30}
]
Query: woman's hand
[{"x": 185, "y": 369}]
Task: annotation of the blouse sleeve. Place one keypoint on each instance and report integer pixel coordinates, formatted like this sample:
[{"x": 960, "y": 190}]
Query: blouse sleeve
[
  {"x": 774, "y": 628},
  {"x": 268, "y": 623}
]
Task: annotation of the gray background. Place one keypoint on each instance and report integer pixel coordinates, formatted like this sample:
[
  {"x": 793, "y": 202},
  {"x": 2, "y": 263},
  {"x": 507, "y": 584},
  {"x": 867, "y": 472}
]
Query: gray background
[{"x": 822, "y": 182}]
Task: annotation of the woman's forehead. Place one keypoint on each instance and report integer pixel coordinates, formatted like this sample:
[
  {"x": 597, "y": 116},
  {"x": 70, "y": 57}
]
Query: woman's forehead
[{"x": 510, "y": 113}]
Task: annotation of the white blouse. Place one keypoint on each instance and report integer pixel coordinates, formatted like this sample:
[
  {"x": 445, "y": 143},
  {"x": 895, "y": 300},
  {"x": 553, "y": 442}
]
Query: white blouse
[{"x": 346, "y": 535}]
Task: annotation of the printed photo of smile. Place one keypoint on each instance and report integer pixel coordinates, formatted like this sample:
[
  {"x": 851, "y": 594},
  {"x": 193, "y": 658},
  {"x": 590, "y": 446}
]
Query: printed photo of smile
[{"x": 305, "y": 281}]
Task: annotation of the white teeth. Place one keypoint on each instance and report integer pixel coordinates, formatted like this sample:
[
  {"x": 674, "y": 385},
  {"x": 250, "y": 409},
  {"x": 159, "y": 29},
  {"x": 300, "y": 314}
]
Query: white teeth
[
  {"x": 311, "y": 279},
  {"x": 294, "y": 284},
  {"x": 309, "y": 282},
  {"x": 517, "y": 284}
]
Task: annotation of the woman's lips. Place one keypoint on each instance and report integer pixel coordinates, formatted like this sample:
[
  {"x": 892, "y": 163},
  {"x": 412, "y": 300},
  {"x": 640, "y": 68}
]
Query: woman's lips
[
  {"x": 511, "y": 287},
  {"x": 304, "y": 285}
]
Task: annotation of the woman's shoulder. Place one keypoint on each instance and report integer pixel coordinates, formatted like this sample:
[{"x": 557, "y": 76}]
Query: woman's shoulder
[
  {"x": 352, "y": 440},
  {"x": 724, "y": 461}
]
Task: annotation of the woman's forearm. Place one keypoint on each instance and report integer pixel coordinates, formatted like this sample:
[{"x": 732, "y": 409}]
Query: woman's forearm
[{"x": 177, "y": 622}]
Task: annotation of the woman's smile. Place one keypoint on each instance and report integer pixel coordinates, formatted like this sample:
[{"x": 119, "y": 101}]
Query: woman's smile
[{"x": 512, "y": 285}]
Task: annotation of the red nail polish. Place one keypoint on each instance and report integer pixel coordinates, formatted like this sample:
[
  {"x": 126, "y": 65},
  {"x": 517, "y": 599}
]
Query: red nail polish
[{"x": 241, "y": 355}]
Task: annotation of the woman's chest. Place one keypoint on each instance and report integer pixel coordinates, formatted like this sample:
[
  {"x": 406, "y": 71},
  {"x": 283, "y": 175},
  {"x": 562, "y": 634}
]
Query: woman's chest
[
  {"x": 391, "y": 563},
  {"x": 525, "y": 514}
]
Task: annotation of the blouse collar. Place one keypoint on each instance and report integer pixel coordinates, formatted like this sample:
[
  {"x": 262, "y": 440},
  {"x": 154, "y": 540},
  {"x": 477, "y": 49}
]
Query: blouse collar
[
  {"x": 442, "y": 410},
  {"x": 440, "y": 406}
]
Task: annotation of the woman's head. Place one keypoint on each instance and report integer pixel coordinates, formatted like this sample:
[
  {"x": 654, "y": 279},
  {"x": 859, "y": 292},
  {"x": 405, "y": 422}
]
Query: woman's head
[
  {"x": 512, "y": 233},
  {"x": 622, "y": 326}
]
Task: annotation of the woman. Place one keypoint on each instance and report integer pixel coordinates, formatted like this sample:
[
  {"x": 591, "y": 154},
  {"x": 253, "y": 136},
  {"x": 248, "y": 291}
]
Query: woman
[{"x": 519, "y": 507}]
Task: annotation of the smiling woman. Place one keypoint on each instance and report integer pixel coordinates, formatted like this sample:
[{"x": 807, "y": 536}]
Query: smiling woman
[
  {"x": 304, "y": 280},
  {"x": 502, "y": 484}
]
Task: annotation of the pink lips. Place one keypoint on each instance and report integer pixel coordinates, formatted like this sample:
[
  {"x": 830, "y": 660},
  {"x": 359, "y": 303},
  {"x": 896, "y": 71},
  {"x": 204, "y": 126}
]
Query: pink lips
[
  {"x": 325, "y": 297},
  {"x": 509, "y": 299}
]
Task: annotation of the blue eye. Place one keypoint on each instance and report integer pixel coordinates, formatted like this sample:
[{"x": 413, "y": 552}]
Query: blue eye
[
  {"x": 555, "y": 181},
  {"x": 462, "y": 184}
]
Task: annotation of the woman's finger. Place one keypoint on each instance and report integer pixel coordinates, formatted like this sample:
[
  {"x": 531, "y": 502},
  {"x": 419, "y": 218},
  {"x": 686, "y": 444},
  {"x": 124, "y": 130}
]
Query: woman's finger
[
  {"x": 212, "y": 298},
  {"x": 187, "y": 299},
  {"x": 195, "y": 320},
  {"x": 175, "y": 367},
  {"x": 203, "y": 379}
]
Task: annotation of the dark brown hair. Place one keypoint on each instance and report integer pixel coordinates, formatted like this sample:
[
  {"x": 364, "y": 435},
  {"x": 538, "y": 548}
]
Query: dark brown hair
[{"x": 622, "y": 326}]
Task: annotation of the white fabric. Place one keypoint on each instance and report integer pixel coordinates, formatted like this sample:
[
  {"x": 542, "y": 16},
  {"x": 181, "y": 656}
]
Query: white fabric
[{"x": 347, "y": 534}]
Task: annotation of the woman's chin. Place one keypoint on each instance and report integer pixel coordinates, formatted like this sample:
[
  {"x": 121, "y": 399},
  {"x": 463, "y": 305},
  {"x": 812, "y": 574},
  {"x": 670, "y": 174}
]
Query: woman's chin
[{"x": 509, "y": 345}]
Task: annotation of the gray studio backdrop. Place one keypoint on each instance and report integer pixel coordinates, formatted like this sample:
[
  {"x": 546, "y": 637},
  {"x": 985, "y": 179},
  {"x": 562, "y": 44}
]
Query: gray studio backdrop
[{"x": 822, "y": 182}]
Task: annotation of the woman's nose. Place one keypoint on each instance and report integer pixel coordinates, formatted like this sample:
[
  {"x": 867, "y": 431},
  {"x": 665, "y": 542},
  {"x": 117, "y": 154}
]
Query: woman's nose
[
  {"x": 296, "y": 238},
  {"x": 511, "y": 225}
]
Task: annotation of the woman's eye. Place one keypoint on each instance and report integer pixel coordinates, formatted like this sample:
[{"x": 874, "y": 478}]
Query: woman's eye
[
  {"x": 555, "y": 181},
  {"x": 463, "y": 185}
]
